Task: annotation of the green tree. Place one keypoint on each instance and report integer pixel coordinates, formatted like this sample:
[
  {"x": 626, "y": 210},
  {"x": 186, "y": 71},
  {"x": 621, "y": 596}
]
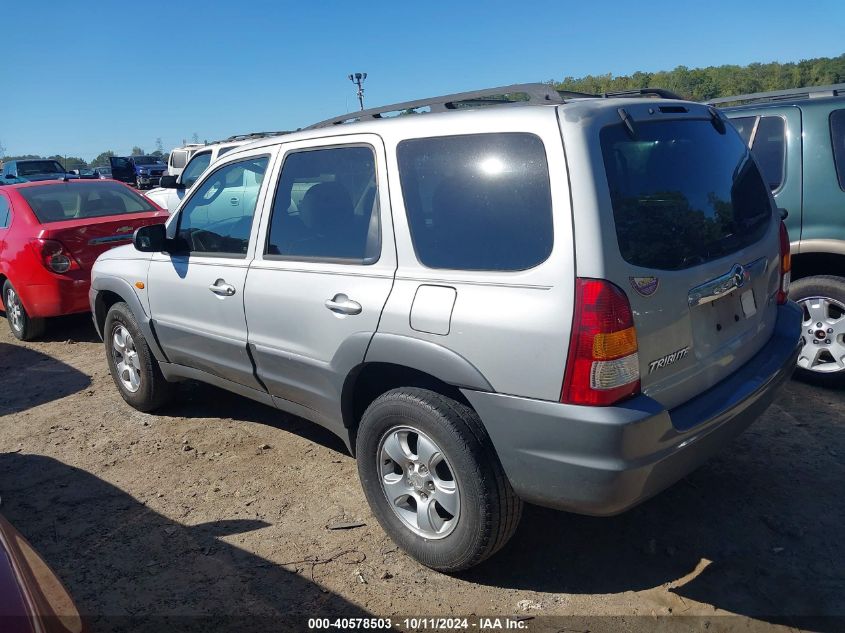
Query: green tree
[
  {"x": 137, "y": 151},
  {"x": 103, "y": 158}
]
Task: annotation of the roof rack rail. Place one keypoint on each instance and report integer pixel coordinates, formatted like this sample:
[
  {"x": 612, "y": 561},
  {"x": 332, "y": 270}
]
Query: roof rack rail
[
  {"x": 535, "y": 93},
  {"x": 809, "y": 92},
  {"x": 643, "y": 92}
]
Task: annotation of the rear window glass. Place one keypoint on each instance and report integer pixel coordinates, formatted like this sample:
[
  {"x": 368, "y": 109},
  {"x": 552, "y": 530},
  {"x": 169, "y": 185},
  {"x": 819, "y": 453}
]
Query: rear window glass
[
  {"x": 78, "y": 200},
  {"x": 477, "y": 202},
  {"x": 35, "y": 167},
  {"x": 178, "y": 159},
  {"x": 682, "y": 193},
  {"x": 745, "y": 126},
  {"x": 837, "y": 137}
]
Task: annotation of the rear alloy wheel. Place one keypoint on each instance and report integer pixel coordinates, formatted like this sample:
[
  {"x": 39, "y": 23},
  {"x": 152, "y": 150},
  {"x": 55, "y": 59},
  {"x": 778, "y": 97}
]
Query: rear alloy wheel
[
  {"x": 24, "y": 327},
  {"x": 822, "y": 357},
  {"x": 433, "y": 479}
]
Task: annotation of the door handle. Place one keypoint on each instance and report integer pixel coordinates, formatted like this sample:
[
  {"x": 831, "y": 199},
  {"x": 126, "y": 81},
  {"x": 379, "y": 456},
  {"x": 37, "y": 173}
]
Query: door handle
[
  {"x": 220, "y": 287},
  {"x": 341, "y": 304}
]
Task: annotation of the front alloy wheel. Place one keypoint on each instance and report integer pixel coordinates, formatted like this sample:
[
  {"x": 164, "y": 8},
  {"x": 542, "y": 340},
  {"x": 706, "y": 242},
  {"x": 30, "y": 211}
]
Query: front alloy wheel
[{"x": 126, "y": 359}]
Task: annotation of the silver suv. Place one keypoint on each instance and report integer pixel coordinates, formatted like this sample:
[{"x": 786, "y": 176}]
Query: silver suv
[{"x": 519, "y": 296}]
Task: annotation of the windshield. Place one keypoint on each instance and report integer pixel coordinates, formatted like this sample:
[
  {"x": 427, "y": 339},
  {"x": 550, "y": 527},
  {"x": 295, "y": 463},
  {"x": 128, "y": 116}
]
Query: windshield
[
  {"x": 33, "y": 167},
  {"x": 83, "y": 199},
  {"x": 147, "y": 160},
  {"x": 682, "y": 193}
]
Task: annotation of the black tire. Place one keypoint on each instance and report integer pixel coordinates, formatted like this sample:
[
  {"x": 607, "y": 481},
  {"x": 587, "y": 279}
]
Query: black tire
[
  {"x": 26, "y": 328},
  {"x": 153, "y": 390},
  {"x": 833, "y": 289},
  {"x": 489, "y": 508}
]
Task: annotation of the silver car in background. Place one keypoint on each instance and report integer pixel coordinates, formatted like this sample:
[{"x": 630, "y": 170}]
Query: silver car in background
[{"x": 520, "y": 296}]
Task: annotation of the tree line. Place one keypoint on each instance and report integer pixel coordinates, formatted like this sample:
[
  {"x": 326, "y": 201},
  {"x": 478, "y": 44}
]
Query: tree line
[
  {"x": 701, "y": 84},
  {"x": 102, "y": 159}
]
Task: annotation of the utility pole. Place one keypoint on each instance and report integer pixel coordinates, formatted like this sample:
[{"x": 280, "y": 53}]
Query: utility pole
[{"x": 358, "y": 80}]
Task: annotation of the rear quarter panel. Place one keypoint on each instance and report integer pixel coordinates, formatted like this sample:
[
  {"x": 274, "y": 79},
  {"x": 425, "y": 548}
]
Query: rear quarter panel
[{"x": 513, "y": 327}]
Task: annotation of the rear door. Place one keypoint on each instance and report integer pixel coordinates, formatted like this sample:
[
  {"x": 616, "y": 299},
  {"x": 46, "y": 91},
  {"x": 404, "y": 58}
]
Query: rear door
[
  {"x": 698, "y": 239},
  {"x": 196, "y": 293},
  {"x": 320, "y": 279},
  {"x": 122, "y": 169}
]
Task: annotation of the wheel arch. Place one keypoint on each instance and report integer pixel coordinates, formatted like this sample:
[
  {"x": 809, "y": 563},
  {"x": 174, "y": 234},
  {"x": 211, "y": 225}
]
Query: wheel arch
[
  {"x": 817, "y": 263},
  {"x": 394, "y": 361},
  {"x": 111, "y": 290}
]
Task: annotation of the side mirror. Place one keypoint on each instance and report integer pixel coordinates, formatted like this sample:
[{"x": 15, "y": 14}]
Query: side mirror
[
  {"x": 150, "y": 239},
  {"x": 170, "y": 182}
]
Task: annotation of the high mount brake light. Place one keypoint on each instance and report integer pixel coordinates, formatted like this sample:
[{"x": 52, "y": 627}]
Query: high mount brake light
[{"x": 603, "y": 366}]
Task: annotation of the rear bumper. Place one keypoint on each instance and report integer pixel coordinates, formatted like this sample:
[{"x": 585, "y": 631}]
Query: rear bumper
[
  {"x": 60, "y": 296},
  {"x": 604, "y": 460}
]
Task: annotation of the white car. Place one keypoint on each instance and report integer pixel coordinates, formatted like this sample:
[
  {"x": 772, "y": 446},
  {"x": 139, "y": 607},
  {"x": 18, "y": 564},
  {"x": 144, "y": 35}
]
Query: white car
[
  {"x": 173, "y": 189},
  {"x": 179, "y": 157}
]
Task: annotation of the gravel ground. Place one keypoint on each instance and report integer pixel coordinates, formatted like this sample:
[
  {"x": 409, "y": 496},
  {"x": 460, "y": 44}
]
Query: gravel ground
[{"x": 220, "y": 508}]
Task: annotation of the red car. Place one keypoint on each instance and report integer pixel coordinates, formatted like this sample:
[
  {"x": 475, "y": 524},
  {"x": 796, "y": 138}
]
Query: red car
[
  {"x": 51, "y": 232},
  {"x": 32, "y": 598}
]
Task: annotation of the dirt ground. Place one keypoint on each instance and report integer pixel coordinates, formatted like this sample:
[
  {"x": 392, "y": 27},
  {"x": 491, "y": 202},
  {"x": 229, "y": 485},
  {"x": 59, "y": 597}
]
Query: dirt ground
[{"x": 218, "y": 508}]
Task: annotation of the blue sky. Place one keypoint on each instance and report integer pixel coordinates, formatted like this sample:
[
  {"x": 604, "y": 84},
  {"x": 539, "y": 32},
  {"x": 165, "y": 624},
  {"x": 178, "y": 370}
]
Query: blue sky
[{"x": 79, "y": 78}]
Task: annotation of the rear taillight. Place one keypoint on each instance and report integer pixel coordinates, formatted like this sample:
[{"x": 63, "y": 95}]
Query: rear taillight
[
  {"x": 54, "y": 256},
  {"x": 785, "y": 266},
  {"x": 603, "y": 366}
]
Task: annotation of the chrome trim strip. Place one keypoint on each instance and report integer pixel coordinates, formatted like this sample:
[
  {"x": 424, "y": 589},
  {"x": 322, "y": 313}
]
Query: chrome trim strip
[
  {"x": 737, "y": 277},
  {"x": 112, "y": 238}
]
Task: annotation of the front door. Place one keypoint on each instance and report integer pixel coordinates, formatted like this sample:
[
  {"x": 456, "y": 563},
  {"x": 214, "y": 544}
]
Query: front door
[
  {"x": 197, "y": 293},
  {"x": 122, "y": 169},
  {"x": 319, "y": 282}
]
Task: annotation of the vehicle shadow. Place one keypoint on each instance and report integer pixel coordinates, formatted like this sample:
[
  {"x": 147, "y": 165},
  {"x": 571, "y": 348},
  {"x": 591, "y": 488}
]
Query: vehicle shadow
[
  {"x": 74, "y": 327},
  {"x": 758, "y": 531},
  {"x": 30, "y": 378},
  {"x": 130, "y": 568},
  {"x": 200, "y": 400}
]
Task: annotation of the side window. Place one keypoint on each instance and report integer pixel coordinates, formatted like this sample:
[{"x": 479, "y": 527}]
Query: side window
[
  {"x": 837, "y": 138},
  {"x": 5, "y": 213},
  {"x": 769, "y": 149},
  {"x": 477, "y": 202},
  {"x": 745, "y": 126},
  {"x": 199, "y": 163},
  {"x": 217, "y": 219},
  {"x": 326, "y": 206}
]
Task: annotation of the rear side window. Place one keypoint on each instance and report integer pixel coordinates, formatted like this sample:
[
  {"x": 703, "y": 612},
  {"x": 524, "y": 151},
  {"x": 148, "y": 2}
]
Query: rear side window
[
  {"x": 769, "y": 149},
  {"x": 745, "y": 126},
  {"x": 477, "y": 202},
  {"x": 326, "y": 207},
  {"x": 837, "y": 138},
  {"x": 682, "y": 193},
  {"x": 178, "y": 159},
  {"x": 83, "y": 199}
]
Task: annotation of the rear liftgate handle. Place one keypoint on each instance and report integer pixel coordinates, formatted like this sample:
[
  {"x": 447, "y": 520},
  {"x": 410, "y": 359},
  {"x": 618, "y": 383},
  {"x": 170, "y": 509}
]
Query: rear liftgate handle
[{"x": 341, "y": 304}]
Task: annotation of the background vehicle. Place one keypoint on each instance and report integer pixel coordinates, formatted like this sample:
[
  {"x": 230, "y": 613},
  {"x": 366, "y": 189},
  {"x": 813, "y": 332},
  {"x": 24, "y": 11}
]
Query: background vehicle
[
  {"x": 35, "y": 169},
  {"x": 84, "y": 172},
  {"x": 33, "y": 598},
  {"x": 174, "y": 188},
  {"x": 141, "y": 171},
  {"x": 798, "y": 140},
  {"x": 410, "y": 284},
  {"x": 50, "y": 235},
  {"x": 103, "y": 172},
  {"x": 179, "y": 157}
]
